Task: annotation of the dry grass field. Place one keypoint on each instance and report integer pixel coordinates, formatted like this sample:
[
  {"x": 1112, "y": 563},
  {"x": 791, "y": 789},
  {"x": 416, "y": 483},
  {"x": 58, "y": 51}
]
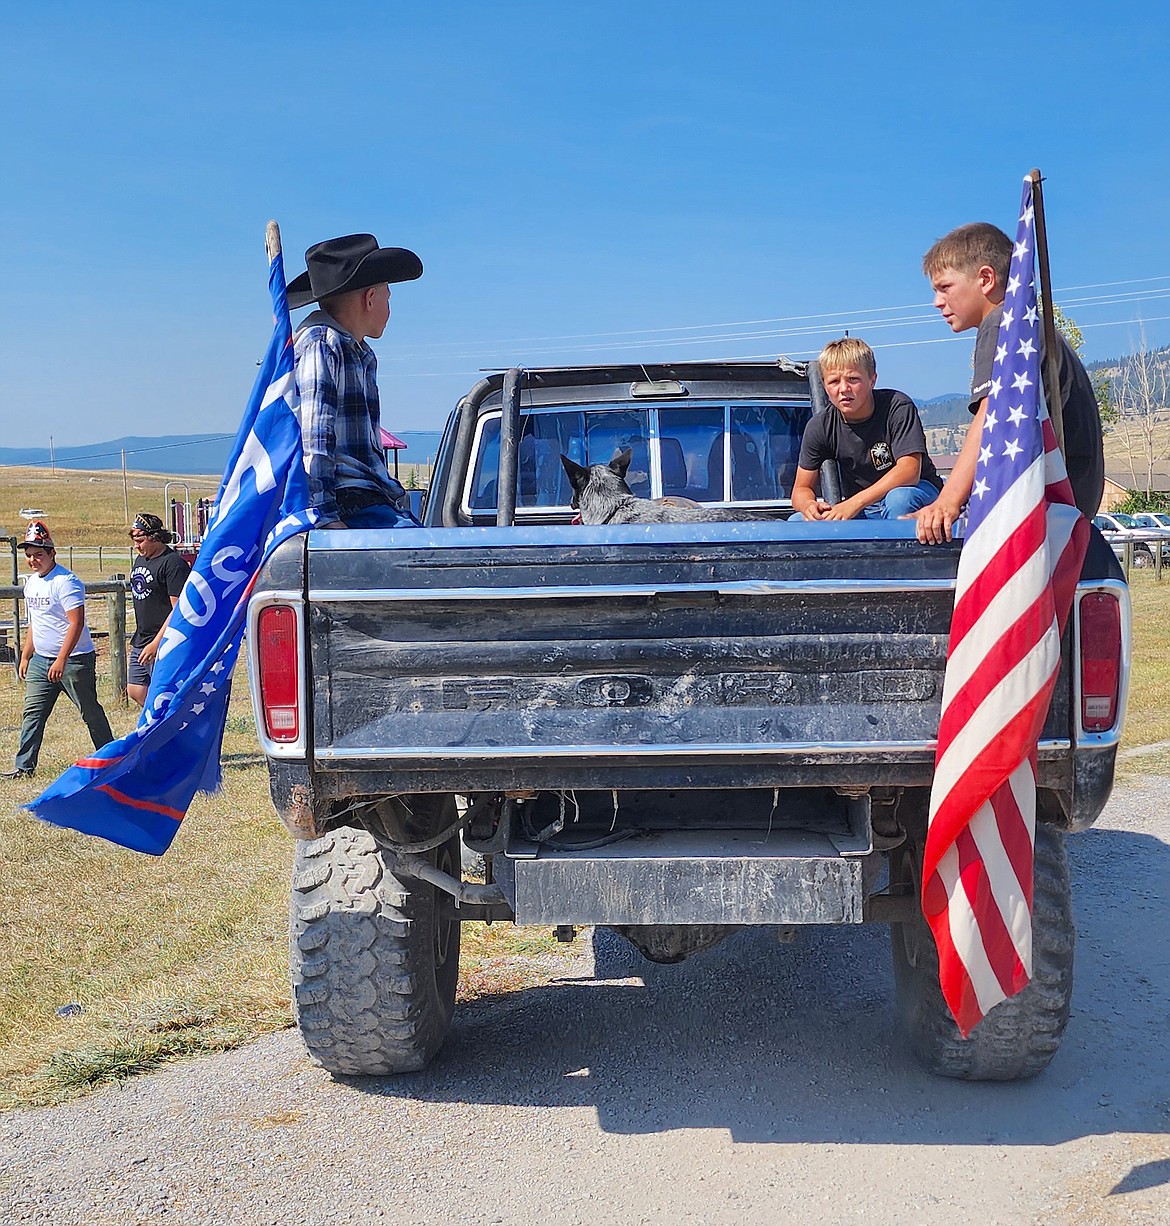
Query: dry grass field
[
  {"x": 167, "y": 956},
  {"x": 186, "y": 953},
  {"x": 88, "y": 508}
]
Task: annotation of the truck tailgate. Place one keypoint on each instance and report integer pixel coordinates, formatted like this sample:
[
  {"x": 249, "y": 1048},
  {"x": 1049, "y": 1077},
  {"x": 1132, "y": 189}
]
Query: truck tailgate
[{"x": 485, "y": 657}]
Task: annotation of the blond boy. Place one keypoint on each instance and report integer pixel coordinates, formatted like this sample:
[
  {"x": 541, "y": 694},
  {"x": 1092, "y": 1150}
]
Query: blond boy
[{"x": 874, "y": 434}]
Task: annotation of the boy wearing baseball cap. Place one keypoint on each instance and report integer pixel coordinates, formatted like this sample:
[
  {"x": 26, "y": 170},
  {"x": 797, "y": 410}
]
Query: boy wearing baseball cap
[{"x": 57, "y": 656}]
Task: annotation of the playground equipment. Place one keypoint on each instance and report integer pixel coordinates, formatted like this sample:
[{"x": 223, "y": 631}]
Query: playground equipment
[{"x": 188, "y": 522}]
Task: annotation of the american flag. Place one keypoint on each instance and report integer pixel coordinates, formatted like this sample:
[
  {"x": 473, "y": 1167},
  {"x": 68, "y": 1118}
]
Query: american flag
[{"x": 1017, "y": 576}]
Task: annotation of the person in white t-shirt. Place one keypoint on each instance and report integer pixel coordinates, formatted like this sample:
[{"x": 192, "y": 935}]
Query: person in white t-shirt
[{"x": 57, "y": 656}]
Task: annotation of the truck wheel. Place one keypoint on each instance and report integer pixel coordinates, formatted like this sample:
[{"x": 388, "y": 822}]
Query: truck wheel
[
  {"x": 1019, "y": 1037},
  {"x": 374, "y": 958}
]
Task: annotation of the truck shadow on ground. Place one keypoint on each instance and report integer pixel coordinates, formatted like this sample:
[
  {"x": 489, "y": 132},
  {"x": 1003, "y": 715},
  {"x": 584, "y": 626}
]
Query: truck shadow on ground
[{"x": 799, "y": 1043}]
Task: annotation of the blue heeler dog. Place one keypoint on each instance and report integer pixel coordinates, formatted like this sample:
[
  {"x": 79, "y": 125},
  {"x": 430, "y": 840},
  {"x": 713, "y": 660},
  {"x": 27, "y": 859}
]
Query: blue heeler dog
[{"x": 601, "y": 495}]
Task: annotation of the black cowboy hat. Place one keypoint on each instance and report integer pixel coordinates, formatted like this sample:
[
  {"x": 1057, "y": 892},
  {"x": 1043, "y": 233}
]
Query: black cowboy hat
[{"x": 339, "y": 265}]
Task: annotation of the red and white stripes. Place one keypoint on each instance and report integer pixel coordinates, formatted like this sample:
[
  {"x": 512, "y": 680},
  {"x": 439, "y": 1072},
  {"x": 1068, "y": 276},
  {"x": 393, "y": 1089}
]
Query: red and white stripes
[{"x": 1017, "y": 575}]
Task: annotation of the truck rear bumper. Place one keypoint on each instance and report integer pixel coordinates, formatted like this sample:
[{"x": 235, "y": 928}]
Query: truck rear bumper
[{"x": 694, "y": 877}]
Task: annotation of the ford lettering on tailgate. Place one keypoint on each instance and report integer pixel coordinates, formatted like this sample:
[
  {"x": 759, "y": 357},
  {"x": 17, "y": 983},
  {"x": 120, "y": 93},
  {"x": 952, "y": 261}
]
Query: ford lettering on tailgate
[{"x": 625, "y": 690}]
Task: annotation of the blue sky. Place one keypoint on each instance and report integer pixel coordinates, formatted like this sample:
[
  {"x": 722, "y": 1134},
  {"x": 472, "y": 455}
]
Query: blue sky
[{"x": 582, "y": 181}]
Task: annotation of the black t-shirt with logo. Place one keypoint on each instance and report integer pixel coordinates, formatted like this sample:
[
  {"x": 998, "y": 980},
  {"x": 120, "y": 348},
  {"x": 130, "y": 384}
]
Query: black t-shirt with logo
[
  {"x": 153, "y": 582},
  {"x": 865, "y": 451},
  {"x": 1084, "y": 448}
]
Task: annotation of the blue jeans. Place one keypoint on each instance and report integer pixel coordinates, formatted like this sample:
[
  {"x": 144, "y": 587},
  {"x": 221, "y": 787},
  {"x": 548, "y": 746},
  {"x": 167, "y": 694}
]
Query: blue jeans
[
  {"x": 902, "y": 500},
  {"x": 380, "y": 515},
  {"x": 79, "y": 682}
]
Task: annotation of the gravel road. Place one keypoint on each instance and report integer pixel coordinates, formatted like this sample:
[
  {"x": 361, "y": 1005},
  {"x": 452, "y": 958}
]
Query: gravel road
[{"x": 758, "y": 1083}]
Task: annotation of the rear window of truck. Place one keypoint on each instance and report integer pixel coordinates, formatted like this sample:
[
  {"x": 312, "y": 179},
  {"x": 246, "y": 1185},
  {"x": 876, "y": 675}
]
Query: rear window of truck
[{"x": 713, "y": 453}]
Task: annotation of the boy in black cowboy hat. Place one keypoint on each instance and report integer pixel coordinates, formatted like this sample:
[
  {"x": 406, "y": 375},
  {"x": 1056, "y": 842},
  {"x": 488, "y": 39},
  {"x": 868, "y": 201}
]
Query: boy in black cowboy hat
[
  {"x": 336, "y": 374},
  {"x": 155, "y": 583},
  {"x": 58, "y": 655}
]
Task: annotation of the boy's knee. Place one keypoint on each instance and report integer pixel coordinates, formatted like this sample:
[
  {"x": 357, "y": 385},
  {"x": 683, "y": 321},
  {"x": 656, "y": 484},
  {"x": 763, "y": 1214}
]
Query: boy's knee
[
  {"x": 898, "y": 502},
  {"x": 906, "y": 499}
]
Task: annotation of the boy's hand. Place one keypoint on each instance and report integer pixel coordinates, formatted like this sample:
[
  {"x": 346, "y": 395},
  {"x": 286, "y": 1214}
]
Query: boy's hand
[
  {"x": 816, "y": 508},
  {"x": 933, "y": 523},
  {"x": 843, "y": 510}
]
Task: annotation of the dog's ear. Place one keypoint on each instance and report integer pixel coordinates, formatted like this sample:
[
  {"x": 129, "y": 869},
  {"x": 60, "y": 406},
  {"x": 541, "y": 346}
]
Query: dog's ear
[
  {"x": 576, "y": 474},
  {"x": 620, "y": 463}
]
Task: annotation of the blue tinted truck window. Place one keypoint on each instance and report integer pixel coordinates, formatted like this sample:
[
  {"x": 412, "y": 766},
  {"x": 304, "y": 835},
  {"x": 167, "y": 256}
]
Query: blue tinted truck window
[
  {"x": 691, "y": 445},
  {"x": 487, "y": 464},
  {"x": 588, "y": 437},
  {"x": 544, "y": 437},
  {"x": 608, "y": 432},
  {"x": 763, "y": 441},
  {"x": 765, "y": 446}
]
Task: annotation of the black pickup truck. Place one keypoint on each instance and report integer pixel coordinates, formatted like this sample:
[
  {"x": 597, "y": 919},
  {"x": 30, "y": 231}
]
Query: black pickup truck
[{"x": 668, "y": 730}]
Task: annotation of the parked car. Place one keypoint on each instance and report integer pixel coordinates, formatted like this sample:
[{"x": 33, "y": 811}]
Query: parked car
[
  {"x": 1119, "y": 530},
  {"x": 1154, "y": 519}
]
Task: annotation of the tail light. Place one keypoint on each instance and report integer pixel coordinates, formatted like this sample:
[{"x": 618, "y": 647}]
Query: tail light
[
  {"x": 1100, "y": 620},
  {"x": 276, "y": 632}
]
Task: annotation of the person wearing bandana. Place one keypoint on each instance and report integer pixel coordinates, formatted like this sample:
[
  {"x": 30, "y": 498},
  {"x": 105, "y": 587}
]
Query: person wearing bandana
[{"x": 155, "y": 583}]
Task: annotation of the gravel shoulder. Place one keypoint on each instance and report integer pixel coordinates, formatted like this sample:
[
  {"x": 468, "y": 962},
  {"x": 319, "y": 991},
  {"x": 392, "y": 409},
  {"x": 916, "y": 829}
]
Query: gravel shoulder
[{"x": 758, "y": 1082}]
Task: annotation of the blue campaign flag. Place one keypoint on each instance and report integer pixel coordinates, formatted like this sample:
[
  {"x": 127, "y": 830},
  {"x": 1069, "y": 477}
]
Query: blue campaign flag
[{"x": 136, "y": 791}]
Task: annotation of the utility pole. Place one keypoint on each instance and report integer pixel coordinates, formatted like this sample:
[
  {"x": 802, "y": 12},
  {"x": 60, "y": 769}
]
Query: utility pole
[
  {"x": 125, "y": 488},
  {"x": 52, "y": 457}
]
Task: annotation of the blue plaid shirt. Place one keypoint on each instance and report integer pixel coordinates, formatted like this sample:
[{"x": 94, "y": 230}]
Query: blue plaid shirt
[{"x": 337, "y": 377}]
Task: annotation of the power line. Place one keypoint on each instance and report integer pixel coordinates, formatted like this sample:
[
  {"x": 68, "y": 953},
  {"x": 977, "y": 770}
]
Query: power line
[
  {"x": 675, "y": 339},
  {"x": 852, "y": 315},
  {"x": 771, "y": 354}
]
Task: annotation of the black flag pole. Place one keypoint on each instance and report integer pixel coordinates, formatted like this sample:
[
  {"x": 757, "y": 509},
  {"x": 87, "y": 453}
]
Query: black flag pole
[{"x": 1048, "y": 317}]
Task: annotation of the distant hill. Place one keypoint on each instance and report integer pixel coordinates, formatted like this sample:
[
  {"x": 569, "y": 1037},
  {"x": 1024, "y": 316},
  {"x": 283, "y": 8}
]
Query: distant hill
[
  {"x": 208, "y": 453},
  {"x": 947, "y": 410},
  {"x": 172, "y": 453},
  {"x": 179, "y": 453}
]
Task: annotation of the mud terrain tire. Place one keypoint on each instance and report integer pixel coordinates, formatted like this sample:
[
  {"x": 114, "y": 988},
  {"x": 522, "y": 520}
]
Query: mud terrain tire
[
  {"x": 1019, "y": 1037},
  {"x": 374, "y": 958}
]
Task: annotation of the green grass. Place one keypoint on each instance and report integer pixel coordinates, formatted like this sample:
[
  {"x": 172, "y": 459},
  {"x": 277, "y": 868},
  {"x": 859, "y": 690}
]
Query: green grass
[{"x": 1148, "y": 714}]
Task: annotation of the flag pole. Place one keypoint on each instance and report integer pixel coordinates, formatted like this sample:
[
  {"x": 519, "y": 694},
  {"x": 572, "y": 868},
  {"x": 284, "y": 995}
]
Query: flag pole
[
  {"x": 1048, "y": 317},
  {"x": 272, "y": 240}
]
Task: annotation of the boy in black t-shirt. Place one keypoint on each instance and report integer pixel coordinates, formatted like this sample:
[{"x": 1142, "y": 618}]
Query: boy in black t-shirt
[
  {"x": 968, "y": 270},
  {"x": 876, "y": 437},
  {"x": 155, "y": 583}
]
